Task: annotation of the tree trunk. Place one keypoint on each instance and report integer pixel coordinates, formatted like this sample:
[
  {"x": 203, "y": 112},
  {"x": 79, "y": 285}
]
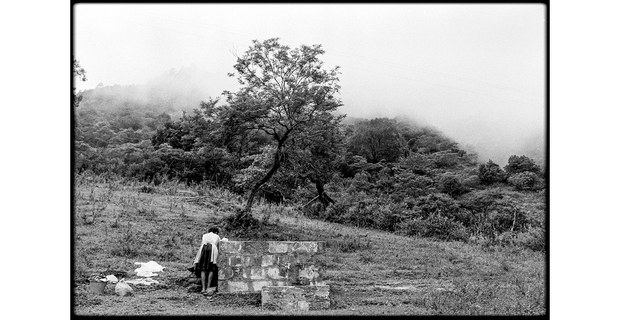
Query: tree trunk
[
  {"x": 270, "y": 173},
  {"x": 323, "y": 197}
]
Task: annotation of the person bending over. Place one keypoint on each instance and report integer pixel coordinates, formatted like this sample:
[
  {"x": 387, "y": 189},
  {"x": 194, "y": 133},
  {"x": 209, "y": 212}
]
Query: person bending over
[{"x": 206, "y": 261}]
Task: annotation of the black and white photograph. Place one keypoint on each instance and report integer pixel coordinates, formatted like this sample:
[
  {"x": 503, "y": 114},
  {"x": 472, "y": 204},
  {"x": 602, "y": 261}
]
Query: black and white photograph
[{"x": 309, "y": 159}]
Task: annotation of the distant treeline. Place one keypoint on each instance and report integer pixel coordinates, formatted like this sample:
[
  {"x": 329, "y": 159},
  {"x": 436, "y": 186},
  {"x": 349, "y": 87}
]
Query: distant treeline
[{"x": 381, "y": 173}]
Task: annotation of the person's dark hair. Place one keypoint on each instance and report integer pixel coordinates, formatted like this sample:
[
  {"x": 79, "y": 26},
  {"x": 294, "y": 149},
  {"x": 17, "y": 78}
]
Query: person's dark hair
[{"x": 215, "y": 230}]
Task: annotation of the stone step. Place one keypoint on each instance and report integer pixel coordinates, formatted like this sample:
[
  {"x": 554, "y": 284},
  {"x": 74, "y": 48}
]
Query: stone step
[{"x": 295, "y": 298}]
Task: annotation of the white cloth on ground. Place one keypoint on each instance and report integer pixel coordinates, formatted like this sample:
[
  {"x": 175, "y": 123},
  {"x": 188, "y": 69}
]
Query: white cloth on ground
[{"x": 148, "y": 269}]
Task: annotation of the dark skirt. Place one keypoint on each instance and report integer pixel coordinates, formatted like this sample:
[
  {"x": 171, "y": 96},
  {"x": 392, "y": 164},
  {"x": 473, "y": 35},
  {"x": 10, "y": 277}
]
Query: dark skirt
[{"x": 205, "y": 264}]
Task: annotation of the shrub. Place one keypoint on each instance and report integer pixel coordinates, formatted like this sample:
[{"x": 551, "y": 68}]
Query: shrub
[
  {"x": 446, "y": 160},
  {"x": 471, "y": 182},
  {"x": 526, "y": 181},
  {"x": 480, "y": 200},
  {"x": 335, "y": 212},
  {"x": 409, "y": 184},
  {"x": 387, "y": 217},
  {"x": 532, "y": 238},
  {"x": 490, "y": 173},
  {"x": 418, "y": 163},
  {"x": 439, "y": 203},
  {"x": 362, "y": 211},
  {"x": 492, "y": 214},
  {"x": 451, "y": 185},
  {"x": 518, "y": 164},
  {"x": 503, "y": 217},
  {"x": 361, "y": 182},
  {"x": 434, "y": 226}
]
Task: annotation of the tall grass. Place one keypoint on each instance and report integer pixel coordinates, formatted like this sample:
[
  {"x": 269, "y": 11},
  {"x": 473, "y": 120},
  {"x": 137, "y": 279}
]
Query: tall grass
[{"x": 166, "y": 227}]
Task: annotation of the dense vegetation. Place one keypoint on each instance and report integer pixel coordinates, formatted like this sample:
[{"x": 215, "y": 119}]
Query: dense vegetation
[{"x": 388, "y": 174}]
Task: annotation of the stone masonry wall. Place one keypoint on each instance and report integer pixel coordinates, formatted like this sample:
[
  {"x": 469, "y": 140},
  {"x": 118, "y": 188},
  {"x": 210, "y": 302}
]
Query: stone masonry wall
[
  {"x": 248, "y": 266},
  {"x": 290, "y": 298}
]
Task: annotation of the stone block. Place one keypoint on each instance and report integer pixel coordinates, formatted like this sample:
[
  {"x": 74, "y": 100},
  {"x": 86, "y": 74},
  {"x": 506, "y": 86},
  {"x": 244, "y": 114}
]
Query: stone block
[
  {"x": 275, "y": 272},
  {"x": 237, "y": 286},
  {"x": 301, "y": 258},
  {"x": 305, "y": 247},
  {"x": 255, "y": 247},
  {"x": 268, "y": 260},
  {"x": 225, "y": 273},
  {"x": 278, "y": 247},
  {"x": 251, "y": 260},
  {"x": 231, "y": 246},
  {"x": 257, "y": 286},
  {"x": 257, "y": 273},
  {"x": 235, "y": 261},
  {"x": 231, "y": 273},
  {"x": 295, "y": 298},
  {"x": 309, "y": 275},
  {"x": 284, "y": 260}
]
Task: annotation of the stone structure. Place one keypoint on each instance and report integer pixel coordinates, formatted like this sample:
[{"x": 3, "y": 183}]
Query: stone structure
[
  {"x": 291, "y": 298},
  {"x": 248, "y": 266}
]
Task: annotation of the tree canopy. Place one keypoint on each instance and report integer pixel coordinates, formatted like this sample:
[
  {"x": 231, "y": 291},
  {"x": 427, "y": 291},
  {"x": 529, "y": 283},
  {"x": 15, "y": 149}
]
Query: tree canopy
[
  {"x": 77, "y": 72},
  {"x": 284, "y": 93}
]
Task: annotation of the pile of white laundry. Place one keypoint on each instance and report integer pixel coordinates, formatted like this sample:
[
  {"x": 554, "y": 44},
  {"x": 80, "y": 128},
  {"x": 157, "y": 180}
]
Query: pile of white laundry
[{"x": 146, "y": 271}]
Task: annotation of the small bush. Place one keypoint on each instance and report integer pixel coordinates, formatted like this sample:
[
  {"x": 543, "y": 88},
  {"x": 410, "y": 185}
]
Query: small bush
[
  {"x": 526, "y": 181},
  {"x": 533, "y": 238},
  {"x": 334, "y": 213},
  {"x": 480, "y": 200},
  {"x": 471, "y": 182},
  {"x": 388, "y": 217},
  {"x": 442, "y": 204},
  {"x": 446, "y": 160},
  {"x": 451, "y": 185},
  {"x": 490, "y": 173},
  {"x": 519, "y": 164},
  {"x": 409, "y": 184},
  {"x": 435, "y": 226}
]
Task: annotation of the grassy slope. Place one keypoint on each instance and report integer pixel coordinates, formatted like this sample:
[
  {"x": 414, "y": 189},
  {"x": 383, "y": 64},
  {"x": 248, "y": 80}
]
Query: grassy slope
[{"x": 370, "y": 272}]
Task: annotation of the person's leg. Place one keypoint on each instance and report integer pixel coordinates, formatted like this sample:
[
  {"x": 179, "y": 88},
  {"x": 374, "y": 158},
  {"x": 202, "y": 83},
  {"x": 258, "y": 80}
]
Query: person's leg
[
  {"x": 215, "y": 279},
  {"x": 210, "y": 279},
  {"x": 203, "y": 279}
]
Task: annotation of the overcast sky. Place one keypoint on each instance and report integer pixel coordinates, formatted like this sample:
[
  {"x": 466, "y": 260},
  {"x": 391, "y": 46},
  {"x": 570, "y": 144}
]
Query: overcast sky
[{"x": 477, "y": 72}]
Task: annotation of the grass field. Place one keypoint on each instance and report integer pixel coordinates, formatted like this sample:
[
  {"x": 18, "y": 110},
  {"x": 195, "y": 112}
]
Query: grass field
[{"x": 370, "y": 272}]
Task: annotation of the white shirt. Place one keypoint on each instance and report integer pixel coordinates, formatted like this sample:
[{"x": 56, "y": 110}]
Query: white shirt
[{"x": 214, "y": 240}]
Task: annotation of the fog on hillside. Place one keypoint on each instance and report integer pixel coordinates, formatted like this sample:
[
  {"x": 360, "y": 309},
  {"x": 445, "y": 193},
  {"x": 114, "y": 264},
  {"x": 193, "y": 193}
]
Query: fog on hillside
[
  {"x": 183, "y": 89},
  {"x": 175, "y": 90}
]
